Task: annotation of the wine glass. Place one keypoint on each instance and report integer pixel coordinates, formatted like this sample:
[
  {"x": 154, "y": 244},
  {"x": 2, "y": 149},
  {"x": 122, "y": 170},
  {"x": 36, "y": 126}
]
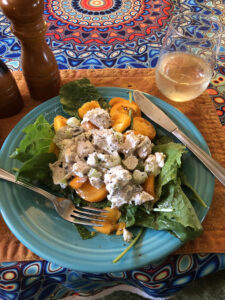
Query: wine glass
[{"x": 188, "y": 56}]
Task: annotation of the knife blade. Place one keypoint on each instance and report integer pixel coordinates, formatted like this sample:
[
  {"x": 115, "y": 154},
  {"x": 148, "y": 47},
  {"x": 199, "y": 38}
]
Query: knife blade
[{"x": 159, "y": 117}]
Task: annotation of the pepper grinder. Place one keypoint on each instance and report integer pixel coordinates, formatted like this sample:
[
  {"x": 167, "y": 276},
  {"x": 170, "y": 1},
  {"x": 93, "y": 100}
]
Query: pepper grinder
[
  {"x": 39, "y": 65},
  {"x": 10, "y": 99}
]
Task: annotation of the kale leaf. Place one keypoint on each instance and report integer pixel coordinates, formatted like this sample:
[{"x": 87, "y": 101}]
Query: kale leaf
[{"x": 75, "y": 93}]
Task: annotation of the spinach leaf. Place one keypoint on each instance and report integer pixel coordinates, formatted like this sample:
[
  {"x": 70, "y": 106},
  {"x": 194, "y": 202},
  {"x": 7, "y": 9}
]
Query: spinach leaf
[
  {"x": 192, "y": 192},
  {"x": 75, "y": 93},
  {"x": 168, "y": 173},
  {"x": 183, "y": 214},
  {"x": 182, "y": 222},
  {"x": 80, "y": 202},
  {"x": 84, "y": 232},
  {"x": 164, "y": 139},
  {"x": 128, "y": 213}
]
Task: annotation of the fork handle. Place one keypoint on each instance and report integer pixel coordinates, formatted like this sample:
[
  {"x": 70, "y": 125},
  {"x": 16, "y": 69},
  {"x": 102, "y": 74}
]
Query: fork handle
[
  {"x": 10, "y": 177},
  {"x": 217, "y": 170}
]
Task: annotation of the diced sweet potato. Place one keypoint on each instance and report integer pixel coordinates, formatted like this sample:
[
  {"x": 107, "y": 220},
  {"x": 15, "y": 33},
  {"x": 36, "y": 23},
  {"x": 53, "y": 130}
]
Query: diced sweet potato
[
  {"x": 86, "y": 107},
  {"x": 77, "y": 182},
  {"x": 144, "y": 127},
  {"x": 120, "y": 228},
  {"x": 121, "y": 122},
  {"x": 110, "y": 224},
  {"x": 59, "y": 122},
  {"x": 107, "y": 228},
  {"x": 116, "y": 100},
  {"x": 149, "y": 185},
  {"x": 53, "y": 149},
  {"x": 124, "y": 107},
  {"x": 90, "y": 193},
  {"x": 112, "y": 215}
]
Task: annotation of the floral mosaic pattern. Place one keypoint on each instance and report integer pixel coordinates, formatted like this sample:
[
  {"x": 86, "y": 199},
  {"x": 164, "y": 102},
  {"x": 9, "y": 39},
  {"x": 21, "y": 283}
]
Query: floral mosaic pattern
[{"x": 113, "y": 34}]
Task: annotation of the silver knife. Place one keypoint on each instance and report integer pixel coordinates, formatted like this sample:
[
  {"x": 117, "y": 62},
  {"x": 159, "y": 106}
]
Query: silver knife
[{"x": 159, "y": 117}]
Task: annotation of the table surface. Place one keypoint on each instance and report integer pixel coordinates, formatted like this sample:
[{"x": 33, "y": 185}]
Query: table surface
[{"x": 120, "y": 37}]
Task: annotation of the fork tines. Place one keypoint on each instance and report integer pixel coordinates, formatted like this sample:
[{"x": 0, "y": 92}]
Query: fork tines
[{"x": 89, "y": 215}]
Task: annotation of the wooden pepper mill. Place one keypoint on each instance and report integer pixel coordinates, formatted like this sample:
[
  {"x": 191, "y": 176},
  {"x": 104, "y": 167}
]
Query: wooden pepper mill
[
  {"x": 38, "y": 62},
  {"x": 10, "y": 99}
]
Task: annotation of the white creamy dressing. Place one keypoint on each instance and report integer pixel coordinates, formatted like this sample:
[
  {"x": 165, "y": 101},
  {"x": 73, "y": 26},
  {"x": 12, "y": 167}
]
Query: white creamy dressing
[{"x": 127, "y": 235}]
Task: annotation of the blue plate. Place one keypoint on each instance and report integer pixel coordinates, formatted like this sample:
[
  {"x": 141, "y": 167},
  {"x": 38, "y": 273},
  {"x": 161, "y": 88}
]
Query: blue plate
[{"x": 35, "y": 223}]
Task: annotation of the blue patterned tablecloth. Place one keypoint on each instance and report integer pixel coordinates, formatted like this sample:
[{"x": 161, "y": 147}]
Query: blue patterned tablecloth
[
  {"x": 109, "y": 34},
  {"x": 39, "y": 280}
]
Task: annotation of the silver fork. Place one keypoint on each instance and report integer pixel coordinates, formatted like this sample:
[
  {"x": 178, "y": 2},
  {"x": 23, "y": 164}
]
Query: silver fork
[{"x": 64, "y": 207}]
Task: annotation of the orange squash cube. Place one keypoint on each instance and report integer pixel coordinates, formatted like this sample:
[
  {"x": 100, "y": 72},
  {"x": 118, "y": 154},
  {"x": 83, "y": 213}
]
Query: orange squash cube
[
  {"x": 59, "y": 122},
  {"x": 121, "y": 122},
  {"x": 149, "y": 185},
  {"x": 53, "y": 149},
  {"x": 110, "y": 224},
  {"x": 90, "y": 193},
  {"x": 124, "y": 107},
  {"x": 120, "y": 228},
  {"x": 86, "y": 107},
  {"x": 144, "y": 127},
  {"x": 112, "y": 215},
  {"x": 116, "y": 100},
  {"x": 107, "y": 228},
  {"x": 77, "y": 182}
]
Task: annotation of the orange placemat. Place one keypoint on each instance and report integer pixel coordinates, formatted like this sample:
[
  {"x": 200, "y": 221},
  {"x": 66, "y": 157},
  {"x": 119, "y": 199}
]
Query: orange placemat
[{"x": 200, "y": 111}]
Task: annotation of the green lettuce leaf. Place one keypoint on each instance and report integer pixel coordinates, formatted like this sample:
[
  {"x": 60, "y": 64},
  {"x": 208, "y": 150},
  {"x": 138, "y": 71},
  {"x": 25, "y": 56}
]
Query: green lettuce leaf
[
  {"x": 37, "y": 140},
  {"x": 36, "y": 169},
  {"x": 33, "y": 152}
]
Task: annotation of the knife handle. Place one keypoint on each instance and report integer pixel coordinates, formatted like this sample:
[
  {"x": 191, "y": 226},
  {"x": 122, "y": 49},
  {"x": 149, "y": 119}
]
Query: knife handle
[{"x": 217, "y": 170}]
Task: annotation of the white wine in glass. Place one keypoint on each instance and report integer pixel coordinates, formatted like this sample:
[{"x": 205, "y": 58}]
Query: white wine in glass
[
  {"x": 188, "y": 56},
  {"x": 182, "y": 76}
]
